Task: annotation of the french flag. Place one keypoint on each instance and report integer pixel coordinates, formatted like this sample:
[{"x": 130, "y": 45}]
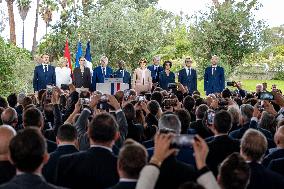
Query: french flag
[{"x": 114, "y": 87}]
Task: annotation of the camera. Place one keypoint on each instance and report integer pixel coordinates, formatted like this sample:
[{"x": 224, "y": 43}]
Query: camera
[
  {"x": 49, "y": 89},
  {"x": 265, "y": 96},
  {"x": 140, "y": 98},
  {"x": 172, "y": 86},
  {"x": 231, "y": 83},
  {"x": 182, "y": 141},
  {"x": 103, "y": 105},
  {"x": 210, "y": 117}
]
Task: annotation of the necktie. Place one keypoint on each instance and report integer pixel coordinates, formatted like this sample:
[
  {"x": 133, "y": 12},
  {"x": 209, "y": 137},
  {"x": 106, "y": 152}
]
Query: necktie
[
  {"x": 45, "y": 68},
  {"x": 213, "y": 70},
  {"x": 104, "y": 72}
]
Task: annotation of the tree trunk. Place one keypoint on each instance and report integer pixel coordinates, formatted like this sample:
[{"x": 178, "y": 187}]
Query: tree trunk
[
  {"x": 11, "y": 21},
  {"x": 216, "y": 3},
  {"x": 23, "y": 35},
  {"x": 35, "y": 29}
]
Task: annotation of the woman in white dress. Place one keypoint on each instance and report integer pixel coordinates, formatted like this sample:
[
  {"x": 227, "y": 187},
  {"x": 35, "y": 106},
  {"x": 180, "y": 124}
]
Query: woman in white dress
[
  {"x": 142, "y": 80},
  {"x": 63, "y": 72}
]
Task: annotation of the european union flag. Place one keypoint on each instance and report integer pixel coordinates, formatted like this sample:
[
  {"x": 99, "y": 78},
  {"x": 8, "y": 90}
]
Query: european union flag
[
  {"x": 88, "y": 56},
  {"x": 78, "y": 54}
]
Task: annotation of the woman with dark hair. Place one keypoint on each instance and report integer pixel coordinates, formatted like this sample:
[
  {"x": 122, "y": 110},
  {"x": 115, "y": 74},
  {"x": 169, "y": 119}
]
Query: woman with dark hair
[
  {"x": 166, "y": 76},
  {"x": 82, "y": 75},
  {"x": 142, "y": 80}
]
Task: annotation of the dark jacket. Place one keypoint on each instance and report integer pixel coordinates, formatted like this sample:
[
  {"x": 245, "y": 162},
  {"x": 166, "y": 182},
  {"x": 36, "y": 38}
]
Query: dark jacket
[
  {"x": 28, "y": 181},
  {"x": 94, "y": 168},
  {"x": 98, "y": 76},
  {"x": 214, "y": 83},
  {"x": 126, "y": 76},
  {"x": 200, "y": 129},
  {"x": 124, "y": 185},
  {"x": 278, "y": 153},
  {"x": 42, "y": 78},
  {"x": 82, "y": 80},
  {"x": 7, "y": 171},
  {"x": 155, "y": 74},
  {"x": 190, "y": 80},
  {"x": 165, "y": 80},
  {"x": 49, "y": 169},
  {"x": 277, "y": 165}
]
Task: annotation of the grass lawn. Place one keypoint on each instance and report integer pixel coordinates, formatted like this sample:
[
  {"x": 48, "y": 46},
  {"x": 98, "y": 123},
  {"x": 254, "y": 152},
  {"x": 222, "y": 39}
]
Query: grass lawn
[{"x": 248, "y": 85}]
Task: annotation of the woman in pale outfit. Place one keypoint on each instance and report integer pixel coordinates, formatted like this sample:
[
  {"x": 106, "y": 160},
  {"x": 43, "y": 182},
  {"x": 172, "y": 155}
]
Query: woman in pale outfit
[
  {"x": 142, "y": 80},
  {"x": 63, "y": 72}
]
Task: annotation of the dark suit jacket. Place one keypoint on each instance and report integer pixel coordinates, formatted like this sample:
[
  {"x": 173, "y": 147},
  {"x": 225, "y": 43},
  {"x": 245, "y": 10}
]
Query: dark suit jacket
[
  {"x": 82, "y": 80},
  {"x": 200, "y": 129},
  {"x": 173, "y": 173},
  {"x": 155, "y": 74},
  {"x": 124, "y": 185},
  {"x": 278, "y": 153},
  {"x": 28, "y": 181},
  {"x": 277, "y": 165},
  {"x": 190, "y": 81},
  {"x": 7, "y": 171},
  {"x": 41, "y": 78},
  {"x": 98, "y": 76},
  {"x": 126, "y": 77},
  {"x": 51, "y": 146},
  {"x": 135, "y": 131},
  {"x": 219, "y": 148},
  {"x": 165, "y": 80},
  {"x": 49, "y": 169},
  {"x": 94, "y": 168},
  {"x": 262, "y": 178},
  {"x": 214, "y": 83}
]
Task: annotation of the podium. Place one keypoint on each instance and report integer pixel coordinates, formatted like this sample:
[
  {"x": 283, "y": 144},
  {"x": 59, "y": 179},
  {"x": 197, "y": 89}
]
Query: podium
[{"x": 112, "y": 85}]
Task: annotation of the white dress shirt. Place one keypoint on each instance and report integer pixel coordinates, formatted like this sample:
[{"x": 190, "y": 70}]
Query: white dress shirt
[
  {"x": 45, "y": 66},
  {"x": 188, "y": 71},
  {"x": 63, "y": 76},
  {"x": 213, "y": 69},
  {"x": 89, "y": 65}
]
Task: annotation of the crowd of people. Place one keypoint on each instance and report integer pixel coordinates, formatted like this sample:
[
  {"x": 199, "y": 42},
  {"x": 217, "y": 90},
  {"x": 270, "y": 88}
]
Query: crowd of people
[{"x": 152, "y": 139}]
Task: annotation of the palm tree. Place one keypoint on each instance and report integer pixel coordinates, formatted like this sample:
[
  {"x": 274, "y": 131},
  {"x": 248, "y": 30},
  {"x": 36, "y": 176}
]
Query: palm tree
[
  {"x": 46, "y": 9},
  {"x": 11, "y": 21},
  {"x": 23, "y": 6},
  {"x": 35, "y": 28}
]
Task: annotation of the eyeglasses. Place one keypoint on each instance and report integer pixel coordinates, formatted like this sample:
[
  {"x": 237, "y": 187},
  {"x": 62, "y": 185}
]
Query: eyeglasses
[{"x": 188, "y": 61}]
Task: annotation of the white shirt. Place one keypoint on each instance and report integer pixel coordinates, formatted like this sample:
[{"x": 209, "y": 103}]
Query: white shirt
[
  {"x": 213, "y": 67},
  {"x": 63, "y": 76},
  {"x": 188, "y": 70},
  {"x": 43, "y": 67},
  {"x": 89, "y": 65}
]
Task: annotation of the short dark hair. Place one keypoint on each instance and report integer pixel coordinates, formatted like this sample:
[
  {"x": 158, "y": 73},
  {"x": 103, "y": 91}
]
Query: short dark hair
[
  {"x": 3, "y": 102},
  {"x": 27, "y": 149},
  {"x": 67, "y": 133},
  {"x": 103, "y": 128},
  {"x": 223, "y": 121},
  {"x": 234, "y": 172},
  {"x": 188, "y": 103},
  {"x": 27, "y": 101},
  {"x": 167, "y": 62},
  {"x": 132, "y": 158},
  {"x": 153, "y": 106},
  {"x": 48, "y": 112},
  {"x": 185, "y": 119},
  {"x": 129, "y": 111},
  {"x": 226, "y": 93},
  {"x": 12, "y": 100},
  {"x": 201, "y": 111},
  {"x": 32, "y": 117},
  {"x": 157, "y": 96}
]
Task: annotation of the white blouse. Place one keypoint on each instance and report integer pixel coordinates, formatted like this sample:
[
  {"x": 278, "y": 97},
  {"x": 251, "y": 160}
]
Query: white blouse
[{"x": 63, "y": 76}]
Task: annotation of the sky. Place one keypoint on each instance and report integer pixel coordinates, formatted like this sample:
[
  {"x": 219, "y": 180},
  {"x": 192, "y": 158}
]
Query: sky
[{"x": 271, "y": 11}]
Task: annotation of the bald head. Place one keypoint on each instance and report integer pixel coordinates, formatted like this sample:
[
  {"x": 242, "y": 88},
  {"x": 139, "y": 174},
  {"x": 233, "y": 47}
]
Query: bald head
[
  {"x": 279, "y": 137},
  {"x": 9, "y": 117},
  {"x": 6, "y": 134}
]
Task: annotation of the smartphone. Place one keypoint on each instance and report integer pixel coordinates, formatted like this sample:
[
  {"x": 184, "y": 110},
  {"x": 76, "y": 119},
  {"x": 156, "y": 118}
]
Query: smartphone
[
  {"x": 182, "y": 141},
  {"x": 64, "y": 87},
  {"x": 231, "y": 83},
  {"x": 84, "y": 101},
  {"x": 210, "y": 117},
  {"x": 172, "y": 86},
  {"x": 49, "y": 91},
  {"x": 265, "y": 96}
]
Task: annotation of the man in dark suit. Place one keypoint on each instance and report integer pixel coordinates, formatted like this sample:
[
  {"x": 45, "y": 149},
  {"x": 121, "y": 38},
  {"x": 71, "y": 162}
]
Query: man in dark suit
[
  {"x": 66, "y": 139},
  {"x": 7, "y": 170},
  {"x": 122, "y": 73},
  {"x": 28, "y": 154},
  {"x": 214, "y": 78},
  {"x": 188, "y": 77},
  {"x": 101, "y": 72},
  {"x": 155, "y": 69},
  {"x": 44, "y": 74},
  {"x": 198, "y": 126},
  {"x": 131, "y": 159},
  {"x": 221, "y": 145},
  {"x": 95, "y": 167},
  {"x": 279, "y": 152},
  {"x": 253, "y": 148}
]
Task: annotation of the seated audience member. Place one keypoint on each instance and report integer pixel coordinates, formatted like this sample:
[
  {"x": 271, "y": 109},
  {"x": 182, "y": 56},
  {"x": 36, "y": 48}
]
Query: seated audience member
[
  {"x": 198, "y": 126},
  {"x": 7, "y": 170},
  {"x": 66, "y": 140},
  {"x": 234, "y": 173},
  {"x": 188, "y": 104},
  {"x": 173, "y": 172},
  {"x": 185, "y": 119},
  {"x": 10, "y": 117},
  {"x": 28, "y": 154},
  {"x": 135, "y": 131},
  {"x": 253, "y": 148},
  {"x": 95, "y": 167},
  {"x": 131, "y": 159},
  {"x": 221, "y": 145},
  {"x": 33, "y": 118},
  {"x": 279, "y": 152}
]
